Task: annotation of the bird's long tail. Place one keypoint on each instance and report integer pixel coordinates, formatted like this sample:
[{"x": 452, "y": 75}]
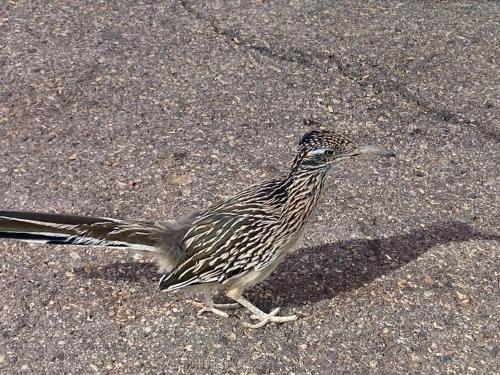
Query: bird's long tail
[
  {"x": 79, "y": 230},
  {"x": 164, "y": 239}
]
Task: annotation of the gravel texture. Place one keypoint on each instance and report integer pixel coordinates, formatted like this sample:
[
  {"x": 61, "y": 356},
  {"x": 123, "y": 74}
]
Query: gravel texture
[{"x": 148, "y": 109}]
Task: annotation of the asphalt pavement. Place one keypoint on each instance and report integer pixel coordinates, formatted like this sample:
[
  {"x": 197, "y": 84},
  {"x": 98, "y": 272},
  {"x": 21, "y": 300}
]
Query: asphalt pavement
[{"x": 149, "y": 109}]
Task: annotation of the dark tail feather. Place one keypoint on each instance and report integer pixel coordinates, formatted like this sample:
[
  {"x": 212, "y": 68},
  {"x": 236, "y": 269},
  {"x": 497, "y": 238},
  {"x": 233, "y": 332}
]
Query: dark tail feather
[{"x": 78, "y": 230}]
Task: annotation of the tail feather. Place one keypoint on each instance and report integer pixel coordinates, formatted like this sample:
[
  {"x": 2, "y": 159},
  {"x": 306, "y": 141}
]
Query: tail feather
[
  {"x": 164, "y": 239},
  {"x": 79, "y": 230}
]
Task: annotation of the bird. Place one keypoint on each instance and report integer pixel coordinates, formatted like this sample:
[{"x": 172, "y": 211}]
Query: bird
[{"x": 230, "y": 246}]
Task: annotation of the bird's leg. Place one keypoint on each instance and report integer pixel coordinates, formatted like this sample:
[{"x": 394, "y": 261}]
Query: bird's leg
[
  {"x": 216, "y": 308},
  {"x": 262, "y": 316}
]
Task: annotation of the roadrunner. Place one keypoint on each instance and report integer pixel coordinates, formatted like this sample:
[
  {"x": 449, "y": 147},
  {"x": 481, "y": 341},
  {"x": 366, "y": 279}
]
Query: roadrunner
[{"x": 231, "y": 246}]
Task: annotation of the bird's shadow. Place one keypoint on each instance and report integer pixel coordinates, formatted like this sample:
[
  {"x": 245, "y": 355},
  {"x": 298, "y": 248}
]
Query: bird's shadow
[{"x": 317, "y": 273}]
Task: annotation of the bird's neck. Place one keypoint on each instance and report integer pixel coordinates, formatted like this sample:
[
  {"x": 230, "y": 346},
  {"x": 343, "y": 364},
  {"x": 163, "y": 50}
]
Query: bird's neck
[{"x": 303, "y": 189}]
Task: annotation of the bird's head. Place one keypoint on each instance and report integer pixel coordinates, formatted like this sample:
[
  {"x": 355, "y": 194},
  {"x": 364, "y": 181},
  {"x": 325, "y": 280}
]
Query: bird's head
[{"x": 320, "y": 149}]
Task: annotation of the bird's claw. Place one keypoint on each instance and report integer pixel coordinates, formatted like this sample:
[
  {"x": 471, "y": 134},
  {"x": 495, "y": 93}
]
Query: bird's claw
[
  {"x": 268, "y": 318},
  {"x": 272, "y": 313},
  {"x": 213, "y": 310},
  {"x": 216, "y": 308}
]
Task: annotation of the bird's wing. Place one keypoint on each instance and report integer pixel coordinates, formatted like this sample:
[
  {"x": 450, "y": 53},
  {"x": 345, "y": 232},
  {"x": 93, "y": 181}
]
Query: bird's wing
[
  {"x": 229, "y": 239},
  {"x": 218, "y": 247}
]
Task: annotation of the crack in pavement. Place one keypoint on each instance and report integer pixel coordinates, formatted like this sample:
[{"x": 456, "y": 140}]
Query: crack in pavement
[{"x": 296, "y": 55}]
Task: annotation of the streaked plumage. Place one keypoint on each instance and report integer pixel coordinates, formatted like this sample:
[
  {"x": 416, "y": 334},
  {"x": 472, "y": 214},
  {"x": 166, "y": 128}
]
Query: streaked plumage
[{"x": 232, "y": 245}]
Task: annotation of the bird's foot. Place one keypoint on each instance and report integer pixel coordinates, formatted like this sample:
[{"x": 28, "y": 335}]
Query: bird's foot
[
  {"x": 216, "y": 308},
  {"x": 264, "y": 318},
  {"x": 268, "y": 318}
]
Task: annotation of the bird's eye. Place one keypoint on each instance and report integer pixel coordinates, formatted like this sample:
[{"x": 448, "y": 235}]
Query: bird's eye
[{"x": 329, "y": 153}]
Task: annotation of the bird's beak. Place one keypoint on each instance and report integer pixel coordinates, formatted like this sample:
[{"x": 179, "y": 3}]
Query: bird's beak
[{"x": 371, "y": 150}]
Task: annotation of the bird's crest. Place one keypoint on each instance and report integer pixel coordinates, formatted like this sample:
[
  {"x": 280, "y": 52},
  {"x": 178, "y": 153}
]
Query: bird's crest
[{"x": 324, "y": 139}]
